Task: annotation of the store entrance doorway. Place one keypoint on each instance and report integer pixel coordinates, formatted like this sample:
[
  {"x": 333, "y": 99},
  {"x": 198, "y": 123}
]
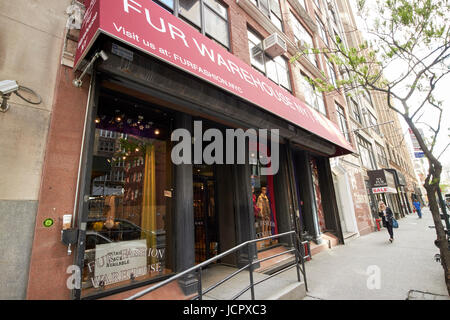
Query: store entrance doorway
[{"x": 205, "y": 214}]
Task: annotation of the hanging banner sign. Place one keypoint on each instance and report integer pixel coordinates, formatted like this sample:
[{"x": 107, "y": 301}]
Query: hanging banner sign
[
  {"x": 383, "y": 190},
  {"x": 146, "y": 26}
]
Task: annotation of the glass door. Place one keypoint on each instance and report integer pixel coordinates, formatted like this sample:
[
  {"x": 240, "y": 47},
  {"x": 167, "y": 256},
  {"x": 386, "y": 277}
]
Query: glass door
[{"x": 205, "y": 216}]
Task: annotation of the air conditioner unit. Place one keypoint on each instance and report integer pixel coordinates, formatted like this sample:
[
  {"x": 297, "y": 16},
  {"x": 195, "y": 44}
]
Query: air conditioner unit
[
  {"x": 256, "y": 51},
  {"x": 274, "y": 45}
]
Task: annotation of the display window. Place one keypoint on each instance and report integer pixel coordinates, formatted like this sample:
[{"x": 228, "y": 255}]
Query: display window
[
  {"x": 317, "y": 195},
  {"x": 263, "y": 195},
  {"x": 130, "y": 195}
]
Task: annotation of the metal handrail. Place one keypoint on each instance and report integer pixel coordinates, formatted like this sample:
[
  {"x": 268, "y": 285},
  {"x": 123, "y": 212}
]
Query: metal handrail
[{"x": 248, "y": 266}]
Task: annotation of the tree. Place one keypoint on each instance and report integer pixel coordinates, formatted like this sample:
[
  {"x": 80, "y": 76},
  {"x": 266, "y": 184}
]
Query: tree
[{"x": 415, "y": 36}]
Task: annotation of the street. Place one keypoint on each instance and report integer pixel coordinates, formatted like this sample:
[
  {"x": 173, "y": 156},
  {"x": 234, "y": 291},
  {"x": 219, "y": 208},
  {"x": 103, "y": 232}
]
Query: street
[{"x": 346, "y": 272}]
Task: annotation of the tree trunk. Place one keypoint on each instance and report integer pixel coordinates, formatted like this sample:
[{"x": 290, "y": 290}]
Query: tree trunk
[{"x": 441, "y": 241}]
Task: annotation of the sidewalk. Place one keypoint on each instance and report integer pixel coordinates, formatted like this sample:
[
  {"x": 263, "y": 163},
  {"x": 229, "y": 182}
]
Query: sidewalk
[{"x": 407, "y": 266}]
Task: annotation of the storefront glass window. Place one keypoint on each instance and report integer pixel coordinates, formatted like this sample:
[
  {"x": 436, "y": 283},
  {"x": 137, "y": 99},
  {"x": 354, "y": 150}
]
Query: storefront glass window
[
  {"x": 263, "y": 195},
  {"x": 317, "y": 195},
  {"x": 130, "y": 196}
]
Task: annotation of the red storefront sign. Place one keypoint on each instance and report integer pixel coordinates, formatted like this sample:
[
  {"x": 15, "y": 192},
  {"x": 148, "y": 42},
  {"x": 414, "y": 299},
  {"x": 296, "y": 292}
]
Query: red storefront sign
[{"x": 148, "y": 27}]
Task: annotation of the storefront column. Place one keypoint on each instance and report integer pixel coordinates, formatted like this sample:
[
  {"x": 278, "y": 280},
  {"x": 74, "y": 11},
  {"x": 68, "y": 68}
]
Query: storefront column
[
  {"x": 284, "y": 199},
  {"x": 297, "y": 223},
  {"x": 245, "y": 220},
  {"x": 184, "y": 216}
]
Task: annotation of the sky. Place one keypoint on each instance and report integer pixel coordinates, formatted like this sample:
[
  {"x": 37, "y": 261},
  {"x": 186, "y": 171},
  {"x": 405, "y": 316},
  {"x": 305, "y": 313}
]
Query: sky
[{"x": 442, "y": 93}]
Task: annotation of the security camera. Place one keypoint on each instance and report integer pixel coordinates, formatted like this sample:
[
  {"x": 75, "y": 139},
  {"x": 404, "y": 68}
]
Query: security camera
[{"x": 8, "y": 86}]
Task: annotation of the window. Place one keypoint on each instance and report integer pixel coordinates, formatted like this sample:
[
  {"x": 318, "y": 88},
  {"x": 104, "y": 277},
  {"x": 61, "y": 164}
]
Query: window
[
  {"x": 389, "y": 153},
  {"x": 209, "y": 17},
  {"x": 256, "y": 51},
  {"x": 381, "y": 155},
  {"x": 333, "y": 15},
  {"x": 355, "y": 110},
  {"x": 190, "y": 10},
  {"x": 166, "y": 4},
  {"x": 264, "y": 195},
  {"x": 300, "y": 32},
  {"x": 276, "y": 69},
  {"x": 127, "y": 211},
  {"x": 373, "y": 123},
  {"x": 313, "y": 98},
  {"x": 342, "y": 121},
  {"x": 366, "y": 153},
  {"x": 331, "y": 73},
  {"x": 271, "y": 8},
  {"x": 216, "y": 22},
  {"x": 302, "y": 35},
  {"x": 322, "y": 31}
]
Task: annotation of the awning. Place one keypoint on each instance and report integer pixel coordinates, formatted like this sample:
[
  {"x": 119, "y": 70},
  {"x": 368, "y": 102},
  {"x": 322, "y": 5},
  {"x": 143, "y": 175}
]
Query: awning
[
  {"x": 382, "y": 181},
  {"x": 149, "y": 28}
]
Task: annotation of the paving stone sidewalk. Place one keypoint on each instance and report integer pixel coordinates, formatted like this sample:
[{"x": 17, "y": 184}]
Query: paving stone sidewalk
[{"x": 406, "y": 268}]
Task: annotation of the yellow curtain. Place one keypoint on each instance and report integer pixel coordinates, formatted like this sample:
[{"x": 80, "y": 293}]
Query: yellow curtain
[{"x": 148, "y": 217}]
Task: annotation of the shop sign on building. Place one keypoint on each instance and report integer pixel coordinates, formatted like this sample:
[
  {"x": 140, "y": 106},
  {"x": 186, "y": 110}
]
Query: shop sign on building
[
  {"x": 149, "y": 28},
  {"x": 382, "y": 181}
]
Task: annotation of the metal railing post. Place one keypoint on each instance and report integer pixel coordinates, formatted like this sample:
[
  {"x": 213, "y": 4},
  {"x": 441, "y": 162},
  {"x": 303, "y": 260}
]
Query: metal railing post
[
  {"x": 199, "y": 286},
  {"x": 297, "y": 262},
  {"x": 250, "y": 265},
  {"x": 303, "y": 262}
]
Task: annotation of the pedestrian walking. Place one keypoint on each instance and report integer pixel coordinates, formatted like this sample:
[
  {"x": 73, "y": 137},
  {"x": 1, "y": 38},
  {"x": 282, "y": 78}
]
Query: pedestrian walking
[
  {"x": 416, "y": 204},
  {"x": 387, "y": 216}
]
